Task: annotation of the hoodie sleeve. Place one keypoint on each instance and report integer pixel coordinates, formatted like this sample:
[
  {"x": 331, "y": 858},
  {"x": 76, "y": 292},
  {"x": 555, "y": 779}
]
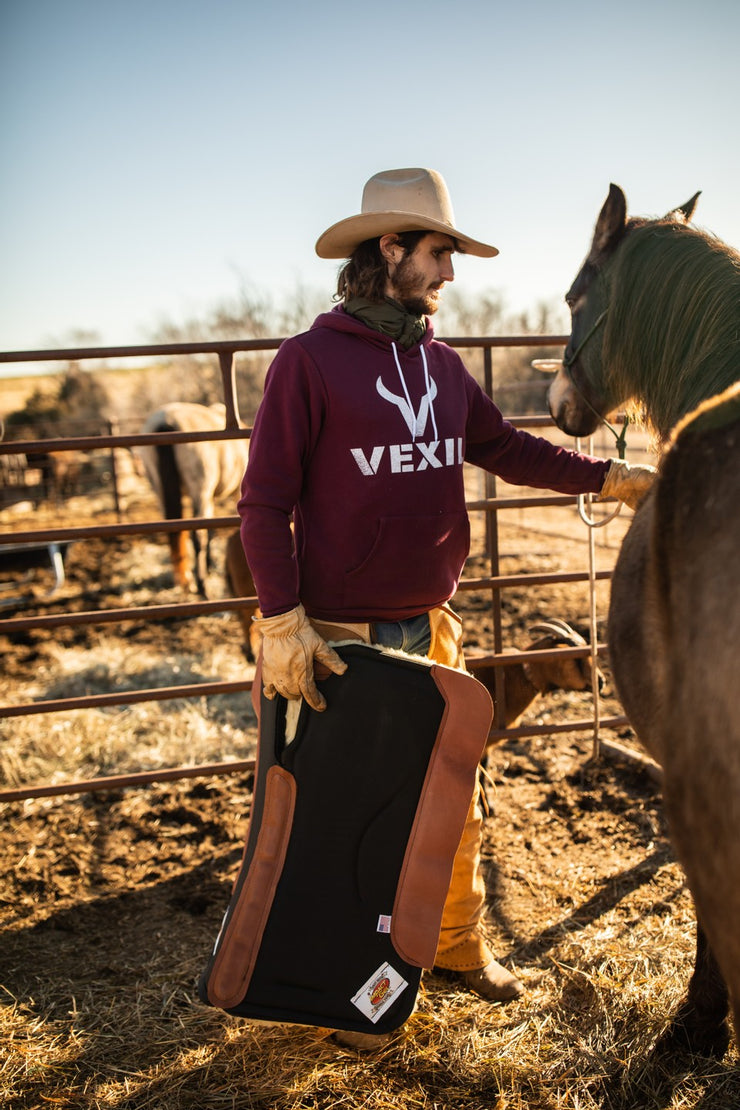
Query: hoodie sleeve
[
  {"x": 285, "y": 430},
  {"x": 524, "y": 459}
]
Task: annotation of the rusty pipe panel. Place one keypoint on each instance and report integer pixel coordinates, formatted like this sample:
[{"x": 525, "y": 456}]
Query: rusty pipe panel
[
  {"x": 117, "y": 782},
  {"x": 128, "y": 697},
  {"x": 114, "y": 616},
  {"x": 114, "y": 531},
  {"x": 220, "y": 347}
]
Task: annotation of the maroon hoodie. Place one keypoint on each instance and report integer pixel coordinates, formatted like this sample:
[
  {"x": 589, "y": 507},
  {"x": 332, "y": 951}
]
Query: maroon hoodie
[{"x": 363, "y": 443}]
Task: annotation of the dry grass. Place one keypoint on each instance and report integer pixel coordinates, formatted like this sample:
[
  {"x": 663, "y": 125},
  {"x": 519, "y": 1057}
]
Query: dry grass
[
  {"x": 580, "y": 1041},
  {"x": 88, "y": 743},
  {"x": 120, "y": 739},
  {"x": 110, "y": 903}
]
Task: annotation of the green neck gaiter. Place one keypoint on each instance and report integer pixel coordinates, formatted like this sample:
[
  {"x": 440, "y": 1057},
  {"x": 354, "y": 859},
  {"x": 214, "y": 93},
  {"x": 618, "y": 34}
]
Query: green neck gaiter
[{"x": 390, "y": 317}]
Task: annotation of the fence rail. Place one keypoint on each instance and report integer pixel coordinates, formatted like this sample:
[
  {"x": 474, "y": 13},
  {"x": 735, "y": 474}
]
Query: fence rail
[{"x": 491, "y": 505}]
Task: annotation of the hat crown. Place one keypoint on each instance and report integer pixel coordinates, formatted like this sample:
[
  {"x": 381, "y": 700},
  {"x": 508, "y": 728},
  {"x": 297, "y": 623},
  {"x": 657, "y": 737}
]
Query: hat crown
[
  {"x": 395, "y": 201},
  {"x": 418, "y": 192}
]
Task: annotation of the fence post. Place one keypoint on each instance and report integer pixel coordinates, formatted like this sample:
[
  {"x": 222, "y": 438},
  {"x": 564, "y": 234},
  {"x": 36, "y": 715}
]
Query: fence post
[
  {"x": 492, "y": 548},
  {"x": 228, "y": 378},
  {"x": 113, "y": 430}
]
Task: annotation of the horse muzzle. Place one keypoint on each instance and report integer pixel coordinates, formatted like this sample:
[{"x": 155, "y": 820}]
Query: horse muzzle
[{"x": 568, "y": 407}]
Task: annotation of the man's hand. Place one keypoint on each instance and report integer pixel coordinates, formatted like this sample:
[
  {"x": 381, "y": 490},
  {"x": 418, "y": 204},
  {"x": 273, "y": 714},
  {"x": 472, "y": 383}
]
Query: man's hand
[
  {"x": 289, "y": 646},
  {"x": 627, "y": 482}
]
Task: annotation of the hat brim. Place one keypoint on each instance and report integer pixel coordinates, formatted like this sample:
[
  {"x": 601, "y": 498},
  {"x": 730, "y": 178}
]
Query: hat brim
[{"x": 341, "y": 239}]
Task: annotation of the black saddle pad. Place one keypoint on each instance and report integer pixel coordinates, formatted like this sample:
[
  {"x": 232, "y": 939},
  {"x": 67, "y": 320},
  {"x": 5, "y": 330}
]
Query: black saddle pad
[{"x": 354, "y": 826}]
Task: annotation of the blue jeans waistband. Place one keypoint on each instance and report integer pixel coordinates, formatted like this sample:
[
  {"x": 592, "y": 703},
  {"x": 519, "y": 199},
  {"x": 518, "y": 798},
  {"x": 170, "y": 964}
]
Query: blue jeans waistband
[{"x": 412, "y": 635}]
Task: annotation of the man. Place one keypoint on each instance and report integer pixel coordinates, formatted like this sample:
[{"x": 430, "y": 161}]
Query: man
[{"x": 360, "y": 440}]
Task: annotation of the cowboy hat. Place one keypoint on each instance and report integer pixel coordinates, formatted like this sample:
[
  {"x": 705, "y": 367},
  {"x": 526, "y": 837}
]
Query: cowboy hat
[{"x": 399, "y": 200}]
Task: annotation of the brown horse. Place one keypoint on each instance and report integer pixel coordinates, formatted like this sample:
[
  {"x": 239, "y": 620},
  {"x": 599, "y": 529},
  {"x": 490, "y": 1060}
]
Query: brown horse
[
  {"x": 206, "y": 471},
  {"x": 656, "y": 320}
]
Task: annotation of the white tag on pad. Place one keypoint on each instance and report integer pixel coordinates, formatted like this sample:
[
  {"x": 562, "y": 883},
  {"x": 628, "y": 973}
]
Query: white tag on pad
[{"x": 381, "y": 989}]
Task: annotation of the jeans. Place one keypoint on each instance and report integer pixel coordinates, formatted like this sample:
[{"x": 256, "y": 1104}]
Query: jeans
[{"x": 413, "y": 635}]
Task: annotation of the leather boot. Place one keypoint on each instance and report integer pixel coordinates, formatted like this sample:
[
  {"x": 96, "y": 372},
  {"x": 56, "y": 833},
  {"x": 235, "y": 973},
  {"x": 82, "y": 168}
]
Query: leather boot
[
  {"x": 362, "y": 1042},
  {"x": 493, "y": 982}
]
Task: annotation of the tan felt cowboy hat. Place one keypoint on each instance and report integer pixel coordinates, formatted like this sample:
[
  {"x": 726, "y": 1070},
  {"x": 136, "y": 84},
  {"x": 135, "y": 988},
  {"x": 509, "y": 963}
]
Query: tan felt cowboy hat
[{"x": 399, "y": 200}]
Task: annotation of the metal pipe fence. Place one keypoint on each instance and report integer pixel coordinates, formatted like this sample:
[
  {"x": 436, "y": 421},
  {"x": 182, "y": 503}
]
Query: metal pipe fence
[{"x": 491, "y": 505}]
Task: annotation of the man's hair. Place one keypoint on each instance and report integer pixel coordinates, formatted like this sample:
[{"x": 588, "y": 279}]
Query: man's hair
[{"x": 365, "y": 273}]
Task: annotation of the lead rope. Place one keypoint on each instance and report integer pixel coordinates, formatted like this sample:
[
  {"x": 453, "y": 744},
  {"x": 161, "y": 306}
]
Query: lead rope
[
  {"x": 584, "y": 511},
  {"x": 620, "y": 437}
]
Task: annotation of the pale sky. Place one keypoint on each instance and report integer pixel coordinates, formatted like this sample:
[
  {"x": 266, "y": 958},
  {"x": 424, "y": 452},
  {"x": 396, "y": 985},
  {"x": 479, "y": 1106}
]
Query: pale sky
[{"x": 157, "y": 155}]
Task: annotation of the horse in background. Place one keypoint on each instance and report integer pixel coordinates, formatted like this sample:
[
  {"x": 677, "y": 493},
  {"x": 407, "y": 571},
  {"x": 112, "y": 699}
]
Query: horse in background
[
  {"x": 656, "y": 321},
  {"x": 241, "y": 584},
  {"x": 62, "y": 473},
  {"x": 205, "y": 471}
]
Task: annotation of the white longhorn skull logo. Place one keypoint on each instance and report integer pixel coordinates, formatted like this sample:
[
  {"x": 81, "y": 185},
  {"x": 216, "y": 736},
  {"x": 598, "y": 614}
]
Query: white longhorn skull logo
[{"x": 416, "y": 422}]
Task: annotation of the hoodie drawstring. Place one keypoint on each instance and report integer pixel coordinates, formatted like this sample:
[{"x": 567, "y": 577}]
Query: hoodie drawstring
[
  {"x": 429, "y": 392},
  {"x": 428, "y": 387}
]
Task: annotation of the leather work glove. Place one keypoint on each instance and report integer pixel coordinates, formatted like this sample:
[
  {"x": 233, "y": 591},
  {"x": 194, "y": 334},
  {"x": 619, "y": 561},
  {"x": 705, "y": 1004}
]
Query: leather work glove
[
  {"x": 628, "y": 482},
  {"x": 289, "y": 646}
]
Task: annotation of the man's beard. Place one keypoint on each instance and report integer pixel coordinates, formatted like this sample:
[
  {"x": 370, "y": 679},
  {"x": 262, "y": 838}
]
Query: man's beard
[{"x": 406, "y": 282}]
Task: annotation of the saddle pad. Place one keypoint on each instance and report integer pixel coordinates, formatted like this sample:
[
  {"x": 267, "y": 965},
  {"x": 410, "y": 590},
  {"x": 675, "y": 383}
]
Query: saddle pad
[{"x": 355, "y": 822}]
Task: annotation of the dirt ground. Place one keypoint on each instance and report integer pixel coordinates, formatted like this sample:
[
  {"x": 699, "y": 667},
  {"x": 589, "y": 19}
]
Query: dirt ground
[{"x": 110, "y": 902}]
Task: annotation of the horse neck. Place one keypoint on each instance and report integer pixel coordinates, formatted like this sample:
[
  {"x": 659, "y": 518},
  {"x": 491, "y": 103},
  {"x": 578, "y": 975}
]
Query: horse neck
[{"x": 674, "y": 321}]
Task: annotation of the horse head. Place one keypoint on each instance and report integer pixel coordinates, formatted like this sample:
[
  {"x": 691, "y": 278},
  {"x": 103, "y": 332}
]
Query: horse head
[
  {"x": 578, "y": 398},
  {"x": 582, "y": 395}
]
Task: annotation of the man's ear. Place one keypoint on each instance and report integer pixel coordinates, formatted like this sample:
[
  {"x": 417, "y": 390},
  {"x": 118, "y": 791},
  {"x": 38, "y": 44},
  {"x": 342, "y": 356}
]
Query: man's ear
[{"x": 390, "y": 248}]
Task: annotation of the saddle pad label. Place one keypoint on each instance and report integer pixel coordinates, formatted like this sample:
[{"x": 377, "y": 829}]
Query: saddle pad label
[
  {"x": 381, "y": 989},
  {"x": 384, "y": 923}
]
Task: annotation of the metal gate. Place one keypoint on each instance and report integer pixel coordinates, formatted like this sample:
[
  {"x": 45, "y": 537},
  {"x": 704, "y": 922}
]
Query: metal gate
[{"x": 491, "y": 504}]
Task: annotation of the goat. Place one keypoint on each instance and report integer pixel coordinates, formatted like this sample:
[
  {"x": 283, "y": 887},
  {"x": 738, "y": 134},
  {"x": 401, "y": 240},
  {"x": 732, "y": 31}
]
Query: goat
[{"x": 525, "y": 681}]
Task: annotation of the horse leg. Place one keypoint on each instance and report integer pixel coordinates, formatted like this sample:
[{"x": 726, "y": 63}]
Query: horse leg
[
  {"x": 203, "y": 506},
  {"x": 171, "y": 496},
  {"x": 200, "y": 548},
  {"x": 700, "y": 1023},
  {"x": 180, "y": 560}
]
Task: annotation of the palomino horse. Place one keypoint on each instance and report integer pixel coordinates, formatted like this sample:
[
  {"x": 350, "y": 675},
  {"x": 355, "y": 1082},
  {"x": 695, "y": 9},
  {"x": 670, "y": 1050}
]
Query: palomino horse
[
  {"x": 656, "y": 320},
  {"x": 207, "y": 471}
]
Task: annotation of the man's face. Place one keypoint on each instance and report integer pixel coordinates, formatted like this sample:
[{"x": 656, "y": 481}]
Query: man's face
[{"x": 418, "y": 278}]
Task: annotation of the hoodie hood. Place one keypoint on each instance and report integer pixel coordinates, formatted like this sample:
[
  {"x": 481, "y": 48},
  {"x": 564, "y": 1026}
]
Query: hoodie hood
[{"x": 340, "y": 320}]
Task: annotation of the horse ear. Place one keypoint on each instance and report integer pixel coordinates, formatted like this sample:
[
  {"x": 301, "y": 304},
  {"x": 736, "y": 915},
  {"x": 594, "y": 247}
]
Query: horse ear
[
  {"x": 610, "y": 225},
  {"x": 684, "y": 212}
]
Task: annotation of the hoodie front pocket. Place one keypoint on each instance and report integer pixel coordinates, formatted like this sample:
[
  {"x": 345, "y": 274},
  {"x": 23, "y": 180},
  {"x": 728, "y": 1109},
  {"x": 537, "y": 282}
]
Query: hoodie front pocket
[{"x": 413, "y": 561}]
